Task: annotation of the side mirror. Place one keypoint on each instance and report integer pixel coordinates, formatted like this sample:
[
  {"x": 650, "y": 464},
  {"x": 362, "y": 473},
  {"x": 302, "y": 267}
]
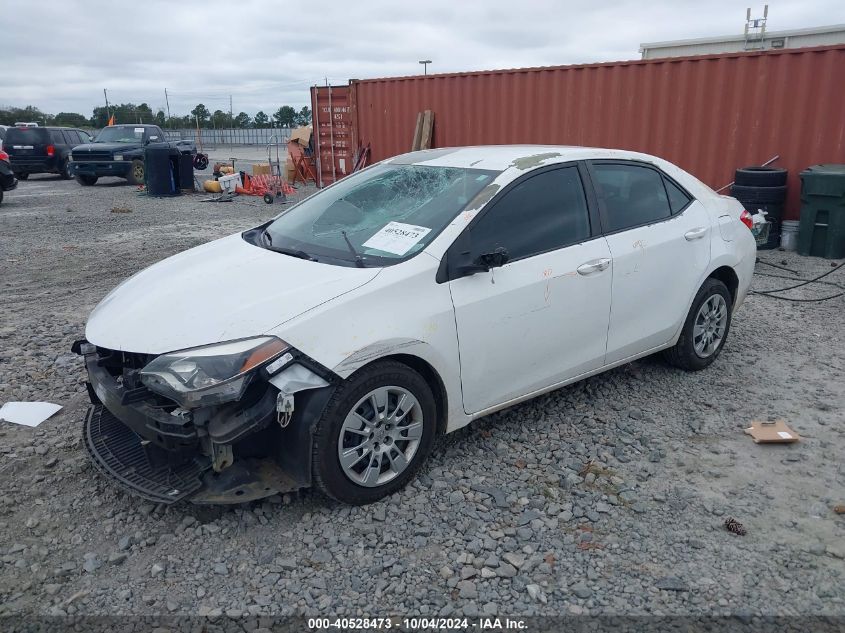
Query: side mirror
[
  {"x": 496, "y": 259},
  {"x": 483, "y": 263}
]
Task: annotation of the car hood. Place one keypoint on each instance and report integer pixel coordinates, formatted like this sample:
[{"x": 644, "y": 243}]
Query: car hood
[
  {"x": 224, "y": 290},
  {"x": 105, "y": 147}
]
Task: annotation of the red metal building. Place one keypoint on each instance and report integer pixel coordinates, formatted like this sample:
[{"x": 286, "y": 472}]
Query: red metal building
[{"x": 709, "y": 114}]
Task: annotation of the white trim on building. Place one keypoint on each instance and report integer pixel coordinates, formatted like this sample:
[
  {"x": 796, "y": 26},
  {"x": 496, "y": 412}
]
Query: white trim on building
[{"x": 795, "y": 38}]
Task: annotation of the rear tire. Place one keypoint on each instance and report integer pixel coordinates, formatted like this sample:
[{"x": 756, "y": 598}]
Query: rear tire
[
  {"x": 359, "y": 421},
  {"x": 23, "y": 175},
  {"x": 86, "y": 180},
  {"x": 705, "y": 329},
  {"x": 136, "y": 173},
  {"x": 1, "y": 196}
]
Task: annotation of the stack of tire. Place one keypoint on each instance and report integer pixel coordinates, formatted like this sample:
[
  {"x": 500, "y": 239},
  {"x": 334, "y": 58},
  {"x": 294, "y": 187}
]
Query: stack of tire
[{"x": 763, "y": 188}]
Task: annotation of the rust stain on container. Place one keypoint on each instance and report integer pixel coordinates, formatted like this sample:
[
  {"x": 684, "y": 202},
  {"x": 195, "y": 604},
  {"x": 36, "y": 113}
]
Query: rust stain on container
[{"x": 708, "y": 114}]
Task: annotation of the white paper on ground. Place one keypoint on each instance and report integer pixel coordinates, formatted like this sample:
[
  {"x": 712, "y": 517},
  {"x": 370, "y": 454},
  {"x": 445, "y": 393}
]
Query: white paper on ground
[
  {"x": 784, "y": 435},
  {"x": 397, "y": 238},
  {"x": 28, "y": 413}
]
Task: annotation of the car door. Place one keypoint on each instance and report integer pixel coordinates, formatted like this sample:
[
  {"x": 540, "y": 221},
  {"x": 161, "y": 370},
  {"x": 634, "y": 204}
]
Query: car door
[
  {"x": 542, "y": 317},
  {"x": 659, "y": 239}
]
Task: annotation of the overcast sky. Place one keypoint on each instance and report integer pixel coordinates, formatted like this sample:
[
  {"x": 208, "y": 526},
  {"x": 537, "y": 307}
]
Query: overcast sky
[{"x": 59, "y": 55}]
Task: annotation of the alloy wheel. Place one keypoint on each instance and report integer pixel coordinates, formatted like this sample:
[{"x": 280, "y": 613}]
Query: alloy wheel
[
  {"x": 710, "y": 324},
  {"x": 380, "y": 436}
]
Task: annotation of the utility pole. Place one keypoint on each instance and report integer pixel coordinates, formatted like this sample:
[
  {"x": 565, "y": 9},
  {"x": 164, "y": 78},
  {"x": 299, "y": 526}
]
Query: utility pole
[
  {"x": 167, "y": 101},
  {"x": 108, "y": 114},
  {"x": 231, "y": 121}
]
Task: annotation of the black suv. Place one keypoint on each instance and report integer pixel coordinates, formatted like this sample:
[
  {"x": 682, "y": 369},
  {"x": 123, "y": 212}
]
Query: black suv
[
  {"x": 118, "y": 150},
  {"x": 42, "y": 150}
]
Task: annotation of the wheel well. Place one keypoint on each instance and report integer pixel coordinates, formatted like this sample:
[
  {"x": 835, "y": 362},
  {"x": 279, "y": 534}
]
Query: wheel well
[
  {"x": 727, "y": 276},
  {"x": 434, "y": 382}
]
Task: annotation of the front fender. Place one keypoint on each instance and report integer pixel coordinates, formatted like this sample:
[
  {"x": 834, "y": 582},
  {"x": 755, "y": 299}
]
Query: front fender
[{"x": 383, "y": 349}]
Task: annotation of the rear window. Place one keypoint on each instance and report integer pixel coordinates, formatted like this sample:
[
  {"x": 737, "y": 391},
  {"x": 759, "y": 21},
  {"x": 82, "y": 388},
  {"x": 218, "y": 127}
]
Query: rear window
[{"x": 25, "y": 136}]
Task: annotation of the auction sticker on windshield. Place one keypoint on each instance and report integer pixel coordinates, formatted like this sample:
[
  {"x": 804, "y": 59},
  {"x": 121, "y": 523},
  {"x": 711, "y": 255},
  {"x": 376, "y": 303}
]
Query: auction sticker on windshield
[{"x": 397, "y": 238}]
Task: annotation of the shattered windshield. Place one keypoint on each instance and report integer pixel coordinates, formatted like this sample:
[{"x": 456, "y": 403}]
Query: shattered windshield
[{"x": 377, "y": 217}]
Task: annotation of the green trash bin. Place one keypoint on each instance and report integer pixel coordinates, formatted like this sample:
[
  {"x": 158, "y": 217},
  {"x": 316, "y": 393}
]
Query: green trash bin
[{"x": 821, "y": 232}]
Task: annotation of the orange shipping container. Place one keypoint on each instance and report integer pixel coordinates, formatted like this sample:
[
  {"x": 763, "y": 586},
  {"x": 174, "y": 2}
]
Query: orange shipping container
[{"x": 708, "y": 114}]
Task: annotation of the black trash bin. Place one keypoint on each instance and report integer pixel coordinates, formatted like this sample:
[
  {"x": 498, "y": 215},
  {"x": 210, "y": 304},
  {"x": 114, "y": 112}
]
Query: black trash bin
[
  {"x": 186, "y": 171},
  {"x": 161, "y": 169},
  {"x": 822, "y": 229}
]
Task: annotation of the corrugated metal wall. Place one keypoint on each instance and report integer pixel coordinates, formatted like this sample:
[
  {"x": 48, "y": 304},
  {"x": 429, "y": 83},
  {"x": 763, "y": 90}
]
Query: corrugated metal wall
[
  {"x": 708, "y": 114},
  {"x": 232, "y": 136}
]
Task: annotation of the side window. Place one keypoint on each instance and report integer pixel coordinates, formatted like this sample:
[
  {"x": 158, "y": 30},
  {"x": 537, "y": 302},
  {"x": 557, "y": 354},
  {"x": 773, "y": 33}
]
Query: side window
[
  {"x": 540, "y": 214},
  {"x": 56, "y": 137},
  {"x": 70, "y": 137},
  {"x": 678, "y": 198},
  {"x": 633, "y": 195}
]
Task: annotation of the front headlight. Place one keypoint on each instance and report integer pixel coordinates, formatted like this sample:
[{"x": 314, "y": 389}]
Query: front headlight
[
  {"x": 70, "y": 158},
  {"x": 118, "y": 156},
  {"x": 212, "y": 374}
]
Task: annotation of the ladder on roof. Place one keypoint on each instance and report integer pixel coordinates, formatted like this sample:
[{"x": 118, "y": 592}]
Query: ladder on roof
[{"x": 755, "y": 30}]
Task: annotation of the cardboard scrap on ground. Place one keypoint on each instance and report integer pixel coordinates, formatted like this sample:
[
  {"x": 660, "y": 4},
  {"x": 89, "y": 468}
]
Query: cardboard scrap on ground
[
  {"x": 776, "y": 432},
  {"x": 27, "y": 413}
]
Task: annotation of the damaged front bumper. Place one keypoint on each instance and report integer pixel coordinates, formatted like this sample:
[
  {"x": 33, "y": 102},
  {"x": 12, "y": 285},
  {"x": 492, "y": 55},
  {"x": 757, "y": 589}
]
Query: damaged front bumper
[{"x": 257, "y": 446}]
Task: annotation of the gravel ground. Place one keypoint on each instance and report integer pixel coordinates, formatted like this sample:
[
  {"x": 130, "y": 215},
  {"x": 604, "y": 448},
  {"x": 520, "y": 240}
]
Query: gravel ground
[{"x": 606, "y": 497}]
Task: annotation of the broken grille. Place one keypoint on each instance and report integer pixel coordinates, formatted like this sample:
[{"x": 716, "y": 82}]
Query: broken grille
[{"x": 118, "y": 452}]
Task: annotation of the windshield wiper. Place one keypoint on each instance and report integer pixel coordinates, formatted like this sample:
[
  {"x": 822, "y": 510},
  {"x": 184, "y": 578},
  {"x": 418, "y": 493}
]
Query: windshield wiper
[
  {"x": 359, "y": 261},
  {"x": 293, "y": 252}
]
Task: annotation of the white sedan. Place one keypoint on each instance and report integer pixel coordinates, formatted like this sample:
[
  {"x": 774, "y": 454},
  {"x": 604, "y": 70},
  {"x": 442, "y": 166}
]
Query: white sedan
[{"x": 332, "y": 344}]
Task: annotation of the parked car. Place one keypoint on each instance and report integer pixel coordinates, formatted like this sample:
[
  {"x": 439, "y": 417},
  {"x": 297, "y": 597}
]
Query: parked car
[
  {"x": 3, "y": 129},
  {"x": 118, "y": 150},
  {"x": 42, "y": 150},
  {"x": 7, "y": 176},
  {"x": 331, "y": 344}
]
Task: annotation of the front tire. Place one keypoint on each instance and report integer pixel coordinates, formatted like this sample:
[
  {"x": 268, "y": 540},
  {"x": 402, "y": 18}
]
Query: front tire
[
  {"x": 375, "y": 433},
  {"x": 86, "y": 180},
  {"x": 65, "y": 171},
  {"x": 705, "y": 329},
  {"x": 136, "y": 173}
]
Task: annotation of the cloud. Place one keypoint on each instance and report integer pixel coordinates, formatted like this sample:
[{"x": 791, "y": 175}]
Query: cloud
[{"x": 60, "y": 55}]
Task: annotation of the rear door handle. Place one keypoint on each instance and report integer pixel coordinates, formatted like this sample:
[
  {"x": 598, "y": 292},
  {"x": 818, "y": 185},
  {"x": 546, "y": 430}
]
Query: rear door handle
[
  {"x": 695, "y": 234},
  {"x": 593, "y": 266}
]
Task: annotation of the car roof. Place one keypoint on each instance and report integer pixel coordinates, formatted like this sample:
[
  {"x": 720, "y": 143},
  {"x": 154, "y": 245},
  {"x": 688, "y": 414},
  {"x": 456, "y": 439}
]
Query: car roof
[{"x": 501, "y": 157}]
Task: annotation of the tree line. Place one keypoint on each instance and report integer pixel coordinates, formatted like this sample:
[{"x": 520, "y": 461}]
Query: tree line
[{"x": 285, "y": 116}]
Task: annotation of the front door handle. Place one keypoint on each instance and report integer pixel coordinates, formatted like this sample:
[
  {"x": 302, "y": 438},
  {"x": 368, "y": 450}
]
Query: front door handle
[
  {"x": 695, "y": 234},
  {"x": 593, "y": 266}
]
